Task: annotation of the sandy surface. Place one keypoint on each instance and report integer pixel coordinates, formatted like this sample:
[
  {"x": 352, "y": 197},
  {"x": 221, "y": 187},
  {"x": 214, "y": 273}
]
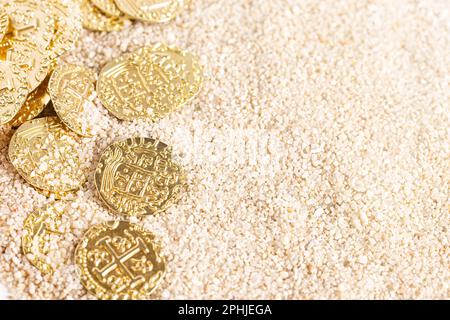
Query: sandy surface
[{"x": 317, "y": 155}]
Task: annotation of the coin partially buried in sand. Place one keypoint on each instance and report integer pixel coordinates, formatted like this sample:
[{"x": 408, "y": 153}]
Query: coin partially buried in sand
[
  {"x": 70, "y": 89},
  {"x": 137, "y": 176},
  {"x": 119, "y": 260},
  {"x": 41, "y": 228},
  {"x": 48, "y": 156},
  {"x": 149, "y": 83}
]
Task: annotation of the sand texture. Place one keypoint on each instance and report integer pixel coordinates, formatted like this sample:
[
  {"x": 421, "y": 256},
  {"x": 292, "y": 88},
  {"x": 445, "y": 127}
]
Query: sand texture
[{"x": 317, "y": 155}]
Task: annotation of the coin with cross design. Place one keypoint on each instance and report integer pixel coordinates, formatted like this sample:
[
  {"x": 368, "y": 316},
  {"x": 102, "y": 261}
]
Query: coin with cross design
[
  {"x": 71, "y": 88},
  {"x": 119, "y": 260},
  {"x": 137, "y": 177}
]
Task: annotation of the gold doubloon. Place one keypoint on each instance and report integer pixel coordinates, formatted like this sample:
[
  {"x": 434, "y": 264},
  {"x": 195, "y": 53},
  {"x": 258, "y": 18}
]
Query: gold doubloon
[
  {"x": 13, "y": 90},
  {"x": 48, "y": 156},
  {"x": 119, "y": 260},
  {"x": 36, "y": 101},
  {"x": 42, "y": 227},
  {"x": 71, "y": 88},
  {"x": 137, "y": 177},
  {"x": 95, "y": 20},
  {"x": 149, "y": 83}
]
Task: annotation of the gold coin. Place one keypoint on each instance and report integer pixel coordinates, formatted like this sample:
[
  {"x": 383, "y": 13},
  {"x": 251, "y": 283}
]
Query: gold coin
[
  {"x": 182, "y": 67},
  {"x": 33, "y": 61},
  {"x": 13, "y": 90},
  {"x": 95, "y": 20},
  {"x": 137, "y": 176},
  {"x": 119, "y": 260},
  {"x": 68, "y": 24},
  {"x": 4, "y": 23},
  {"x": 41, "y": 229},
  {"x": 132, "y": 88},
  {"x": 108, "y": 7},
  {"x": 36, "y": 101},
  {"x": 71, "y": 88},
  {"x": 31, "y": 21},
  {"x": 48, "y": 156},
  {"x": 155, "y": 11}
]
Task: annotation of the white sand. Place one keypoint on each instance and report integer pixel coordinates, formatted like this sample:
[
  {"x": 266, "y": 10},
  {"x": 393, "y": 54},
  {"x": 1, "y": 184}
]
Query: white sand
[{"x": 318, "y": 155}]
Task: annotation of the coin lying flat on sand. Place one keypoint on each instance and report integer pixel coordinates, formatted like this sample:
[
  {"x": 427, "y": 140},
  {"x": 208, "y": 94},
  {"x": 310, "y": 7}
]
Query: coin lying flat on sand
[
  {"x": 71, "y": 88},
  {"x": 48, "y": 156},
  {"x": 182, "y": 67},
  {"x": 119, "y": 260},
  {"x": 149, "y": 83},
  {"x": 137, "y": 176}
]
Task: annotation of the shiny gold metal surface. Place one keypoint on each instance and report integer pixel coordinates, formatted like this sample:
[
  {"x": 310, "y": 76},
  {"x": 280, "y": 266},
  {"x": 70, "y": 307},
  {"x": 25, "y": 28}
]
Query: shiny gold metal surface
[
  {"x": 137, "y": 177},
  {"x": 108, "y": 7},
  {"x": 36, "y": 101},
  {"x": 47, "y": 155},
  {"x": 38, "y": 230},
  {"x": 149, "y": 83},
  {"x": 154, "y": 11},
  {"x": 71, "y": 88},
  {"x": 13, "y": 90},
  {"x": 119, "y": 260}
]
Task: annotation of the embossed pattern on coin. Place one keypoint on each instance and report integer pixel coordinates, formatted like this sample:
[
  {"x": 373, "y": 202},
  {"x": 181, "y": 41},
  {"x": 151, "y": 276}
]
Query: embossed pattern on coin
[
  {"x": 119, "y": 260},
  {"x": 34, "y": 61},
  {"x": 137, "y": 176},
  {"x": 40, "y": 229},
  {"x": 109, "y": 7},
  {"x": 31, "y": 21},
  {"x": 13, "y": 90},
  {"x": 95, "y": 20},
  {"x": 71, "y": 88},
  {"x": 68, "y": 27},
  {"x": 35, "y": 103},
  {"x": 182, "y": 67},
  {"x": 4, "y": 23},
  {"x": 48, "y": 156},
  {"x": 155, "y": 11}
]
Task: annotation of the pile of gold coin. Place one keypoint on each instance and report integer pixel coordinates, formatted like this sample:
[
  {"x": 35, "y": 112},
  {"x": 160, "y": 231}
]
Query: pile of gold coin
[
  {"x": 33, "y": 36},
  {"x": 112, "y": 15},
  {"x": 50, "y": 104}
]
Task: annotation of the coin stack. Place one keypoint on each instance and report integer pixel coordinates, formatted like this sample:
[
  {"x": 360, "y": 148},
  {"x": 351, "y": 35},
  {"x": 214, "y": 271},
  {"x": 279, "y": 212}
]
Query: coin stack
[
  {"x": 113, "y": 15},
  {"x": 134, "y": 177}
]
